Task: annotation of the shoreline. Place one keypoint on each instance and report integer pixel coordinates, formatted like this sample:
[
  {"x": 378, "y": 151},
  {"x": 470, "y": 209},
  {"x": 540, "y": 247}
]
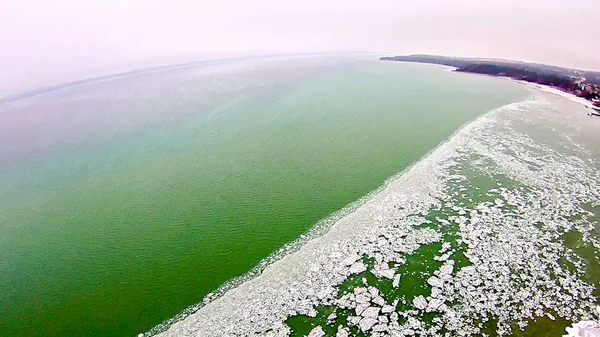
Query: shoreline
[
  {"x": 541, "y": 87},
  {"x": 557, "y": 92},
  {"x": 545, "y": 88},
  {"x": 583, "y": 84}
]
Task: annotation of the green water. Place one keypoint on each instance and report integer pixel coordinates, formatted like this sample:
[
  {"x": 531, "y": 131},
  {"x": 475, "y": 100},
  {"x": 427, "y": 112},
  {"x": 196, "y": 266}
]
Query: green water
[
  {"x": 542, "y": 125},
  {"x": 146, "y": 203}
]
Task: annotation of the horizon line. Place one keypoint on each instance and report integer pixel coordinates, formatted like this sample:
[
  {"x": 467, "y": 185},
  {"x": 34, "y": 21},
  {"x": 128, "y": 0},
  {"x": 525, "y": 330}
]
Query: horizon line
[{"x": 138, "y": 71}]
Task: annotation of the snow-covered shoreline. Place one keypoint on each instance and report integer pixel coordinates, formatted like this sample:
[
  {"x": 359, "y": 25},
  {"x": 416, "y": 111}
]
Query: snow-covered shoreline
[{"x": 558, "y": 92}]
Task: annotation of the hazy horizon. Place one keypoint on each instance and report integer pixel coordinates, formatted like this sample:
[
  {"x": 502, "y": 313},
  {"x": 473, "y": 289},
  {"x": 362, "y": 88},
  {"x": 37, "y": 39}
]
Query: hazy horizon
[{"x": 50, "y": 43}]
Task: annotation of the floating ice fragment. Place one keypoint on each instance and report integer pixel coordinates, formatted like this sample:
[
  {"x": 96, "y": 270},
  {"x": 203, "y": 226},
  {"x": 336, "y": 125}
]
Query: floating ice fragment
[
  {"x": 443, "y": 257},
  {"x": 342, "y": 332},
  {"x": 360, "y": 290},
  {"x": 372, "y": 312},
  {"x": 357, "y": 268},
  {"x": 445, "y": 247},
  {"x": 386, "y": 309},
  {"x": 436, "y": 292},
  {"x": 360, "y": 308},
  {"x": 379, "y": 328},
  {"x": 354, "y": 320},
  {"x": 373, "y": 291},
  {"x": 396, "y": 280},
  {"x": 446, "y": 269},
  {"x": 583, "y": 329},
  {"x": 388, "y": 273},
  {"x": 317, "y": 332},
  {"x": 378, "y": 300},
  {"x": 434, "y": 304},
  {"x": 420, "y": 302},
  {"x": 435, "y": 282},
  {"x": 362, "y": 298},
  {"x": 367, "y": 323},
  {"x": 383, "y": 270}
]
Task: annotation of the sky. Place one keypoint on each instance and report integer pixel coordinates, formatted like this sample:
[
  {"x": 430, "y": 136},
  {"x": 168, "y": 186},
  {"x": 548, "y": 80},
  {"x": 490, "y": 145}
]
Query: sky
[{"x": 48, "y": 42}]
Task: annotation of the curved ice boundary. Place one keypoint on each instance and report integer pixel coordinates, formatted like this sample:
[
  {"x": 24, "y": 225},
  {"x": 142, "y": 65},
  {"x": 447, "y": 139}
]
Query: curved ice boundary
[{"x": 514, "y": 244}]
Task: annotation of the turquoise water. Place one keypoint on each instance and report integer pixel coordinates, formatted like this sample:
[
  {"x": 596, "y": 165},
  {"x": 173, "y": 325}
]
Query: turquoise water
[{"x": 125, "y": 201}]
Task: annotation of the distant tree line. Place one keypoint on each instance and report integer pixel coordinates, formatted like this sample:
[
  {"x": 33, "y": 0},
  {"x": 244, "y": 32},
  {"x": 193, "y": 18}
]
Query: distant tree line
[
  {"x": 545, "y": 78},
  {"x": 582, "y": 83}
]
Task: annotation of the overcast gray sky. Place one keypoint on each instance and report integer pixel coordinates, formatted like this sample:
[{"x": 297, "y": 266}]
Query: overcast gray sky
[{"x": 46, "y": 42}]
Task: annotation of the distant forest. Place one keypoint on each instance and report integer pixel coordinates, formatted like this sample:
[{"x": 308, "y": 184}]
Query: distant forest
[{"x": 583, "y": 83}]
